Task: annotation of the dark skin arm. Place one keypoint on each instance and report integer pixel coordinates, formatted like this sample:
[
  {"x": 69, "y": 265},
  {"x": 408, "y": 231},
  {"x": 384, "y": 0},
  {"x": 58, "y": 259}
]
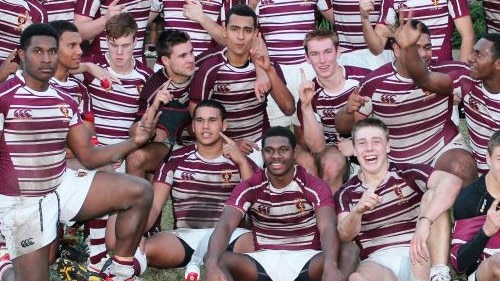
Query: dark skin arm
[{"x": 330, "y": 243}]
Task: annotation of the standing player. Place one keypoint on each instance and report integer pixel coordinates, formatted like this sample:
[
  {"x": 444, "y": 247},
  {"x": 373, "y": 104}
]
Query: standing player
[
  {"x": 91, "y": 17},
  {"x": 15, "y": 16},
  {"x": 380, "y": 208},
  {"x": 229, "y": 77},
  {"x": 476, "y": 238},
  {"x": 34, "y": 139},
  {"x": 199, "y": 179},
  {"x": 114, "y": 108},
  {"x": 439, "y": 16},
  {"x": 293, "y": 222}
]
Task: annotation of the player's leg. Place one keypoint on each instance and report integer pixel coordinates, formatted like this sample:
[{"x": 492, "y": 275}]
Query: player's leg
[
  {"x": 146, "y": 159},
  {"x": 489, "y": 269},
  {"x": 165, "y": 250},
  {"x": 241, "y": 267},
  {"x": 372, "y": 271}
]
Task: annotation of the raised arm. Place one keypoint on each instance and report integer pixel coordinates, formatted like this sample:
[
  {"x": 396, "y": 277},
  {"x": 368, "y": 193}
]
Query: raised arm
[
  {"x": 310, "y": 126},
  {"x": 377, "y": 37},
  {"x": 406, "y": 37},
  {"x": 90, "y": 28},
  {"x": 466, "y": 31},
  {"x": 193, "y": 10}
]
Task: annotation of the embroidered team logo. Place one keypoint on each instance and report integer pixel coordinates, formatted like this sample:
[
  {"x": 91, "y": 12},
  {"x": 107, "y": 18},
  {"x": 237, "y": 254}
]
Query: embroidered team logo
[
  {"x": 389, "y": 99},
  {"x": 23, "y": 114},
  {"x": 264, "y": 209},
  {"x": 435, "y": 2},
  {"x": 428, "y": 95},
  {"x": 21, "y": 21},
  {"x": 64, "y": 108},
  {"x": 267, "y": 2},
  {"x": 223, "y": 88},
  {"x": 300, "y": 205},
  {"x": 226, "y": 176},
  {"x": 399, "y": 193},
  {"x": 474, "y": 104},
  {"x": 187, "y": 176}
]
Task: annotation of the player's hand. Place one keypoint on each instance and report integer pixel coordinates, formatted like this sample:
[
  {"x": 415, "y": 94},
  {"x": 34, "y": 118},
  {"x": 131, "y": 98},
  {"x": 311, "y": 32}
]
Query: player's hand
[
  {"x": 101, "y": 73},
  {"x": 231, "y": 151},
  {"x": 162, "y": 95},
  {"x": 114, "y": 9},
  {"x": 193, "y": 10},
  {"x": 368, "y": 201},
  {"x": 365, "y": 7},
  {"x": 247, "y": 146},
  {"x": 345, "y": 146},
  {"x": 355, "y": 102},
  {"x": 405, "y": 35},
  {"x": 419, "y": 252},
  {"x": 306, "y": 89},
  {"x": 146, "y": 127},
  {"x": 259, "y": 53},
  {"x": 492, "y": 223},
  {"x": 8, "y": 66}
]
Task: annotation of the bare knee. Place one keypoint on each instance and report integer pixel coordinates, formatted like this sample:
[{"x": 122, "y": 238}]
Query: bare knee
[
  {"x": 332, "y": 167},
  {"x": 135, "y": 160},
  {"x": 306, "y": 159},
  {"x": 460, "y": 163},
  {"x": 355, "y": 276}
]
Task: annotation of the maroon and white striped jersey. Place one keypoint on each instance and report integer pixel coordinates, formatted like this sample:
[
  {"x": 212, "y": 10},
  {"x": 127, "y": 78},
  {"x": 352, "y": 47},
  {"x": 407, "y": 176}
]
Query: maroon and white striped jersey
[
  {"x": 201, "y": 40},
  {"x": 200, "y": 186},
  {"x": 13, "y": 21},
  {"x": 326, "y": 105},
  {"x": 233, "y": 86},
  {"x": 348, "y": 23},
  {"x": 285, "y": 23},
  {"x": 492, "y": 12},
  {"x": 75, "y": 89},
  {"x": 482, "y": 113},
  {"x": 115, "y": 110},
  {"x": 419, "y": 121},
  {"x": 438, "y": 15},
  {"x": 393, "y": 221},
  {"x": 285, "y": 218},
  {"x": 138, "y": 9},
  {"x": 60, "y": 9},
  {"x": 34, "y": 126}
]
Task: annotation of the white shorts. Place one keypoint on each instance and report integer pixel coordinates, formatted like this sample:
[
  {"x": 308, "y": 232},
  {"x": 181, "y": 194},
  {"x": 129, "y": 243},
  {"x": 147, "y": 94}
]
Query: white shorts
[
  {"x": 457, "y": 142},
  {"x": 30, "y": 223},
  {"x": 396, "y": 260},
  {"x": 364, "y": 58},
  {"x": 293, "y": 79},
  {"x": 283, "y": 265},
  {"x": 193, "y": 236},
  {"x": 472, "y": 277}
]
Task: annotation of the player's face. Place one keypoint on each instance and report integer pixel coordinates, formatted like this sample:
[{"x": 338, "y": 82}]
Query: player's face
[
  {"x": 371, "y": 148},
  {"x": 481, "y": 60},
  {"x": 493, "y": 161},
  {"x": 121, "y": 50},
  {"x": 70, "y": 52},
  {"x": 240, "y": 33},
  {"x": 425, "y": 48},
  {"x": 207, "y": 124},
  {"x": 322, "y": 55},
  {"x": 181, "y": 60},
  {"x": 40, "y": 59},
  {"x": 278, "y": 156}
]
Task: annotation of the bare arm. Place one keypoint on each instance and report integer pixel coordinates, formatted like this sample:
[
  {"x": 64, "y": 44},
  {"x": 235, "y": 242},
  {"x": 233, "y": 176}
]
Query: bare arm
[
  {"x": 90, "y": 156},
  {"x": 90, "y": 28},
  {"x": 466, "y": 31},
  {"x": 330, "y": 244},
  {"x": 161, "y": 193},
  {"x": 377, "y": 37},
  {"x": 310, "y": 126},
  {"x": 193, "y": 10},
  {"x": 228, "y": 222},
  {"x": 348, "y": 115}
]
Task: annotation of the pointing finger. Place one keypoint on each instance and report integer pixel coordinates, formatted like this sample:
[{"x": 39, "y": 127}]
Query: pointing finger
[{"x": 226, "y": 138}]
